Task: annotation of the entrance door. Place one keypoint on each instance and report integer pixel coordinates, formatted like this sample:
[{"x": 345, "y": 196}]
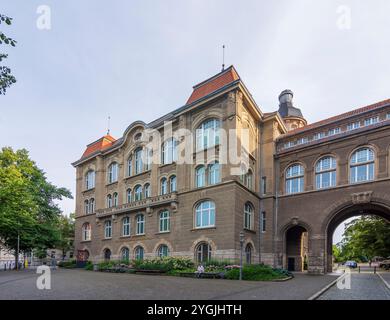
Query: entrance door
[{"x": 291, "y": 264}]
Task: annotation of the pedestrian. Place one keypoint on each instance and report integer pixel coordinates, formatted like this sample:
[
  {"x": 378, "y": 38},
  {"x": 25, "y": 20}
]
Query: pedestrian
[{"x": 199, "y": 271}]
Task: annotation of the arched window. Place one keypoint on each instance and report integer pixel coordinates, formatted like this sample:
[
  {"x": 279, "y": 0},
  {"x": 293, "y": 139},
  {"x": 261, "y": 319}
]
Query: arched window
[
  {"x": 86, "y": 206},
  {"x": 248, "y": 253},
  {"x": 200, "y": 173},
  {"x": 164, "y": 221},
  {"x": 295, "y": 175},
  {"x": 207, "y": 134},
  {"x": 92, "y": 205},
  {"x": 90, "y": 180},
  {"x": 109, "y": 201},
  {"x": 138, "y": 161},
  {"x": 248, "y": 216},
  {"x": 112, "y": 174},
  {"x": 115, "y": 199},
  {"x": 214, "y": 173},
  {"x": 140, "y": 224},
  {"x": 139, "y": 253},
  {"x": 129, "y": 196},
  {"x": 138, "y": 193},
  {"x": 148, "y": 159},
  {"x": 125, "y": 254},
  {"x": 130, "y": 167},
  {"x": 126, "y": 226},
  {"x": 203, "y": 252},
  {"x": 172, "y": 184},
  {"x": 108, "y": 229},
  {"x": 169, "y": 151},
  {"x": 326, "y": 173},
  {"x": 163, "y": 186},
  {"x": 107, "y": 255},
  {"x": 205, "y": 215},
  {"x": 86, "y": 232},
  {"x": 362, "y": 165},
  {"x": 163, "y": 251},
  {"x": 147, "y": 191}
]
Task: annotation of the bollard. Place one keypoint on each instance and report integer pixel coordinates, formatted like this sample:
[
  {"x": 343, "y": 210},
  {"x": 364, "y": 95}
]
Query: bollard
[
  {"x": 375, "y": 270},
  {"x": 359, "y": 269}
]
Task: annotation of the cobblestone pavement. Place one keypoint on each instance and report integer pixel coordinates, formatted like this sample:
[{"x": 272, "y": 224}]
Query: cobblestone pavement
[
  {"x": 364, "y": 286},
  {"x": 80, "y": 284}
]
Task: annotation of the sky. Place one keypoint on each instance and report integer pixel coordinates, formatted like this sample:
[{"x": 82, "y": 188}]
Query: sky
[{"x": 138, "y": 60}]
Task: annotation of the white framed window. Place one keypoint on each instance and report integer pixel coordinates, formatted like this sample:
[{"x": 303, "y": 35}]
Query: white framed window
[
  {"x": 208, "y": 134},
  {"x": 247, "y": 178},
  {"x": 205, "y": 215},
  {"x": 125, "y": 254},
  {"x": 319, "y": 135},
  {"x": 248, "y": 216},
  {"x": 109, "y": 201},
  {"x": 139, "y": 253},
  {"x": 163, "y": 251},
  {"x": 115, "y": 199},
  {"x": 112, "y": 174},
  {"x": 326, "y": 173},
  {"x": 129, "y": 195},
  {"x": 163, "y": 186},
  {"x": 169, "y": 151},
  {"x": 295, "y": 176},
  {"x": 200, "y": 176},
  {"x": 334, "y": 131},
  {"x": 388, "y": 115},
  {"x": 86, "y": 206},
  {"x": 92, "y": 205},
  {"x": 353, "y": 126},
  {"x": 172, "y": 184},
  {"x": 263, "y": 222},
  {"x": 108, "y": 229},
  {"x": 130, "y": 167},
  {"x": 138, "y": 193},
  {"x": 148, "y": 159},
  {"x": 214, "y": 173},
  {"x": 147, "y": 191},
  {"x": 140, "y": 224},
  {"x": 371, "y": 121},
  {"x": 362, "y": 165},
  {"x": 126, "y": 227},
  {"x": 303, "y": 140},
  {"x": 203, "y": 252},
  {"x": 165, "y": 222},
  {"x": 90, "y": 180},
  {"x": 138, "y": 161},
  {"x": 86, "y": 232}
]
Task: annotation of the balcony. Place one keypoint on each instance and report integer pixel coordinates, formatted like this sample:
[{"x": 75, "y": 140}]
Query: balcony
[{"x": 145, "y": 204}]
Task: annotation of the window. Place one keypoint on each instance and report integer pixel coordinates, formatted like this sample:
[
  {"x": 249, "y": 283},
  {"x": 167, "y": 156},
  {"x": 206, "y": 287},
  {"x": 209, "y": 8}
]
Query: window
[
  {"x": 130, "y": 167},
  {"x": 263, "y": 222},
  {"x": 126, "y": 227},
  {"x": 264, "y": 185},
  {"x": 86, "y": 232},
  {"x": 108, "y": 229},
  {"x": 107, "y": 255},
  {"x": 319, "y": 135},
  {"x": 214, "y": 173},
  {"x": 353, "y": 126},
  {"x": 125, "y": 254},
  {"x": 203, "y": 252},
  {"x": 294, "y": 179},
  {"x": 147, "y": 191},
  {"x": 207, "y": 135},
  {"x": 248, "y": 216},
  {"x": 362, "y": 166},
  {"x": 112, "y": 175},
  {"x": 163, "y": 251},
  {"x": 163, "y": 186},
  {"x": 248, "y": 254},
  {"x": 205, "y": 215},
  {"x": 169, "y": 151},
  {"x": 326, "y": 173},
  {"x": 109, "y": 201},
  {"x": 248, "y": 180},
  {"x": 129, "y": 196},
  {"x": 90, "y": 180},
  {"x": 86, "y": 206},
  {"x": 303, "y": 140},
  {"x": 139, "y": 253},
  {"x": 140, "y": 224},
  {"x": 92, "y": 205},
  {"x": 334, "y": 131},
  {"x": 138, "y": 193},
  {"x": 172, "y": 184},
  {"x": 388, "y": 116},
  {"x": 200, "y": 173},
  {"x": 371, "y": 121},
  {"x": 164, "y": 221},
  {"x": 138, "y": 161},
  {"x": 148, "y": 159},
  {"x": 115, "y": 199}
]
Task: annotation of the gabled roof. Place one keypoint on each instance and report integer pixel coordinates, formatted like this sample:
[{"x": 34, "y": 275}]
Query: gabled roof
[
  {"x": 339, "y": 117},
  {"x": 99, "y": 145},
  {"x": 213, "y": 84}
]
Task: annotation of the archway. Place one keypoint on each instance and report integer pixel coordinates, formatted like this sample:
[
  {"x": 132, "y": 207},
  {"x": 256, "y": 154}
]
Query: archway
[
  {"x": 107, "y": 254},
  {"x": 350, "y": 211},
  {"x": 297, "y": 247}
]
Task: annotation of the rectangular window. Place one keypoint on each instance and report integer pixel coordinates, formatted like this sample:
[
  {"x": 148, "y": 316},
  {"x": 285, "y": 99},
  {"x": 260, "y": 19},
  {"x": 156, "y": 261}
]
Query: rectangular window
[
  {"x": 263, "y": 222},
  {"x": 264, "y": 185},
  {"x": 319, "y": 135},
  {"x": 353, "y": 126},
  {"x": 388, "y": 116},
  {"x": 371, "y": 121},
  {"x": 334, "y": 131}
]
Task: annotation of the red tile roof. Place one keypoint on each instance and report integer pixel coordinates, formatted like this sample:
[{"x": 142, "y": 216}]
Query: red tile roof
[
  {"x": 213, "y": 84},
  {"x": 99, "y": 145},
  {"x": 339, "y": 117}
]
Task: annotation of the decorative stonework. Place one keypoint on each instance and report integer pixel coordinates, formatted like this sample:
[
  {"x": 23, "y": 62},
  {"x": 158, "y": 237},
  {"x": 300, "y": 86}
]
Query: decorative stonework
[{"x": 363, "y": 197}]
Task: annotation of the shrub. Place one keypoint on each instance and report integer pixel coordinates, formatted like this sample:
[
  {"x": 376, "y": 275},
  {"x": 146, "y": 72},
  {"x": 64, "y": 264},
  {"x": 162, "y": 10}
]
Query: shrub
[
  {"x": 256, "y": 273},
  {"x": 89, "y": 266},
  {"x": 67, "y": 264},
  {"x": 163, "y": 264}
]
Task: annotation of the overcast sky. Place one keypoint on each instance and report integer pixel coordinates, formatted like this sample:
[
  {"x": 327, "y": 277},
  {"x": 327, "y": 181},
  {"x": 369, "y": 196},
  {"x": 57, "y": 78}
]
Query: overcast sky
[{"x": 138, "y": 60}]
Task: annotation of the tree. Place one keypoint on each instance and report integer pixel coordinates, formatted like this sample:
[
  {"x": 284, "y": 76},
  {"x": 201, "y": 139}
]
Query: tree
[
  {"x": 27, "y": 204},
  {"x": 6, "y": 78},
  {"x": 66, "y": 227}
]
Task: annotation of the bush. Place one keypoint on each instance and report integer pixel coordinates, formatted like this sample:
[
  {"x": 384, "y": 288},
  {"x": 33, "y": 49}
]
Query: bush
[
  {"x": 89, "y": 266},
  {"x": 164, "y": 264},
  {"x": 67, "y": 264},
  {"x": 256, "y": 273}
]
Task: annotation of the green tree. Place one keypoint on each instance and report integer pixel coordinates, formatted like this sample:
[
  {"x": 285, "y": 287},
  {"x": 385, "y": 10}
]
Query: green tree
[
  {"x": 6, "y": 78},
  {"x": 27, "y": 204},
  {"x": 66, "y": 226}
]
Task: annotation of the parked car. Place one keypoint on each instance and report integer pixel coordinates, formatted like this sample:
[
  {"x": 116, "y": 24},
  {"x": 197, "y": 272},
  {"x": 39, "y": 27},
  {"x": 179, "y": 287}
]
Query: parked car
[
  {"x": 351, "y": 264},
  {"x": 385, "y": 264}
]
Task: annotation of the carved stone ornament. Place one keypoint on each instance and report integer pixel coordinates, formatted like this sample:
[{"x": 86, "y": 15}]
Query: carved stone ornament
[{"x": 362, "y": 197}]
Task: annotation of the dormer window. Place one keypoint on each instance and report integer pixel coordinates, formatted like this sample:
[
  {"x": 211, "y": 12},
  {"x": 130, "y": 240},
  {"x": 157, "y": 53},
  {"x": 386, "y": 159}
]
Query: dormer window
[
  {"x": 319, "y": 135},
  {"x": 371, "y": 121},
  {"x": 334, "y": 131},
  {"x": 353, "y": 126}
]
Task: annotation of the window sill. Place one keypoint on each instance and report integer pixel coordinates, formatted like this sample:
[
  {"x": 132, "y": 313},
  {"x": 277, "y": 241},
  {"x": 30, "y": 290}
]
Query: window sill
[
  {"x": 250, "y": 230},
  {"x": 85, "y": 241},
  {"x": 140, "y": 235},
  {"x": 88, "y": 190},
  {"x": 138, "y": 174},
  {"x": 163, "y": 232},
  {"x": 106, "y": 239},
  {"x": 204, "y": 228},
  {"x": 125, "y": 237},
  {"x": 111, "y": 183}
]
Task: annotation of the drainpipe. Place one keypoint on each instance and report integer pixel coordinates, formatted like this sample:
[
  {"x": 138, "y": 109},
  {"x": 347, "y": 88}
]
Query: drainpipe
[{"x": 276, "y": 209}]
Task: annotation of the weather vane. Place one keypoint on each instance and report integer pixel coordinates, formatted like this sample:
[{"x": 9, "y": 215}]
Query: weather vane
[{"x": 223, "y": 57}]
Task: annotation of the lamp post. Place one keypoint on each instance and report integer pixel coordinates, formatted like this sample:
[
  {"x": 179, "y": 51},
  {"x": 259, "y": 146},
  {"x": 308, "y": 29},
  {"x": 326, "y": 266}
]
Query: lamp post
[{"x": 241, "y": 247}]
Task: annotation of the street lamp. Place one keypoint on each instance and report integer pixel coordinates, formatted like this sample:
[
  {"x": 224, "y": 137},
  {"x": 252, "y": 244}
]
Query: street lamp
[{"x": 241, "y": 247}]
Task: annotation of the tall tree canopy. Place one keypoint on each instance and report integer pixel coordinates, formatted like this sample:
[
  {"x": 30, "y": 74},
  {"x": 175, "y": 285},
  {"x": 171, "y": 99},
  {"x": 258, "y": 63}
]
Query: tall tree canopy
[
  {"x": 27, "y": 203},
  {"x": 6, "y": 78}
]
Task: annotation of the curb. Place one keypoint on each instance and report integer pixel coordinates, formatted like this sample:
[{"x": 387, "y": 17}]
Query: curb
[
  {"x": 384, "y": 281},
  {"x": 323, "y": 290}
]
